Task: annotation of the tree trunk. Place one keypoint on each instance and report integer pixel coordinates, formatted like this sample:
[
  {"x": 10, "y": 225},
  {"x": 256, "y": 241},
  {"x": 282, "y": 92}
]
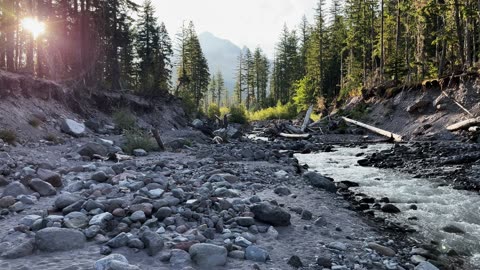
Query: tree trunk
[
  {"x": 30, "y": 40},
  {"x": 382, "y": 50},
  {"x": 458, "y": 25},
  {"x": 9, "y": 34}
]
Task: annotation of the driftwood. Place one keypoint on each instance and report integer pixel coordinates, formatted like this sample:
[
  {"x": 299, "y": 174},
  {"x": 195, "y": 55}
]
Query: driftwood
[
  {"x": 292, "y": 129},
  {"x": 395, "y": 137},
  {"x": 307, "y": 118},
  {"x": 457, "y": 103},
  {"x": 157, "y": 137},
  {"x": 294, "y": 136},
  {"x": 464, "y": 124}
]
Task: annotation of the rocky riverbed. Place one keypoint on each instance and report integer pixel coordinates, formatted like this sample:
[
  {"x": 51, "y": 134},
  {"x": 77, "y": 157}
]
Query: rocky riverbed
[{"x": 241, "y": 205}]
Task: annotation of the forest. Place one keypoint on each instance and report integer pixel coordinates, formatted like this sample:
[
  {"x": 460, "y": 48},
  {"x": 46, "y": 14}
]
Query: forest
[{"x": 350, "y": 46}]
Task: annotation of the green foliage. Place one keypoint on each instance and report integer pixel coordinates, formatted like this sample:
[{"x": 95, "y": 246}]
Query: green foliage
[
  {"x": 213, "y": 110},
  {"x": 8, "y": 136},
  {"x": 287, "y": 111},
  {"x": 124, "y": 119},
  {"x": 34, "y": 122},
  {"x": 238, "y": 114},
  {"x": 137, "y": 139},
  {"x": 304, "y": 94}
]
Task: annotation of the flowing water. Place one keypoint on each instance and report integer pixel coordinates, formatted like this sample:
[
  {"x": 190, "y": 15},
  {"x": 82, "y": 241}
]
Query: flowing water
[{"x": 438, "y": 206}]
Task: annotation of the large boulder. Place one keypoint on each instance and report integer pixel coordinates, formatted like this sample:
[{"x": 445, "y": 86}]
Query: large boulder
[
  {"x": 319, "y": 181},
  {"x": 51, "y": 177},
  {"x": 92, "y": 149},
  {"x": 59, "y": 239},
  {"x": 426, "y": 266},
  {"x": 208, "y": 256},
  {"x": 271, "y": 214},
  {"x": 72, "y": 127},
  {"x": 43, "y": 188},
  {"x": 197, "y": 123},
  {"x": 14, "y": 189}
]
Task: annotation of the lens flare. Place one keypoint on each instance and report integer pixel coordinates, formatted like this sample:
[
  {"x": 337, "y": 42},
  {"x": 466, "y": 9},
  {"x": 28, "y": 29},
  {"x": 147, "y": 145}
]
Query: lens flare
[{"x": 33, "y": 26}]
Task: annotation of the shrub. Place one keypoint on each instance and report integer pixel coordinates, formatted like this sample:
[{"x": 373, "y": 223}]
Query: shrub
[
  {"x": 137, "y": 139},
  {"x": 35, "y": 122},
  {"x": 124, "y": 119},
  {"x": 238, "y": 114},
  {"x": 52, "y": 138},
  {"x": 213, "y": 110},
  {"x": 8, "y": 136},
  {"x": 287, "y": 111}
]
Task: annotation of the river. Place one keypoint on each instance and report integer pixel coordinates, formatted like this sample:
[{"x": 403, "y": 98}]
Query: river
[{"x": 438, "y": 205}]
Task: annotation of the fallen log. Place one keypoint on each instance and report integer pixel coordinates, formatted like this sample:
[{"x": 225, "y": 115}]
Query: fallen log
[
  {"x": 295, "y": 136},
  {"x": 157, "y": 137},
  {"x": 464, "y": 124},
  {"x": 307, "y": 118},
  {"x": 293, "y": 129},
  {"x": 393, "y": 136}
]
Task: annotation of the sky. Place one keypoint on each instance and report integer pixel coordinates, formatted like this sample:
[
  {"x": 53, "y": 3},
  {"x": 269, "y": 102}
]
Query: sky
[{"x": 248, "y": 23}]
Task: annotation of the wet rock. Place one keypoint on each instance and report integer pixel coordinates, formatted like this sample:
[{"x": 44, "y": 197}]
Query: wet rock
[
  {"x": 208, "y": 255},
  {"x": 417, "y": 259},
  {"x": 153, "y": 242},
  {"x": 426, "y": 266},
  {"x": 282, "y": 191},
  {"x": 390, "y": 208},
  {"x": 59, "y": 239},
  {"x": 92, "y": 231},
  {"x": 65, "y": 200},
  {"x": 256, "y": 254},
  {"x": 72, "y": 127},
  {"x": 453, "y": 229},
  {"x": 93, "y": 149},
  {"x": 43, "y": 188},
  {"x": 295, "y": 262},
  {"x": 197, "y": 123},
  {"x": 50, "y": 176},
  {"x": 15, "y": 189},
  {"x": 76, "y": 220},
  {"x": 271, "y": 214},
  {"x": 320, "y": 181},
  {"x": 382, "y": 250}
]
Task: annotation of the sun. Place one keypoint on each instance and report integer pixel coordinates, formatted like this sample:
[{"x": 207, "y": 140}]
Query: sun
[{"x": 34, "y": 26}]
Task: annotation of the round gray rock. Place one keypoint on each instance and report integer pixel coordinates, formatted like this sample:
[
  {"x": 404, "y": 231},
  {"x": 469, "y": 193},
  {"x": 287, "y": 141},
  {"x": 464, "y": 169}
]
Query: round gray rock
[
  {"x": 208, "y": 255},
  {"x": 76, "y": 220}
]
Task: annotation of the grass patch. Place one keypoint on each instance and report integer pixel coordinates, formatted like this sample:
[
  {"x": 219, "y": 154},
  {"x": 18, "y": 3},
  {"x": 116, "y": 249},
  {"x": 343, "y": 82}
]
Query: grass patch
[
  {"x": 137, "y": 139},
  {"x": 124, "y": 119},
  {"x": 8, "y": 136},
  {"x": 34, "y": 122}
]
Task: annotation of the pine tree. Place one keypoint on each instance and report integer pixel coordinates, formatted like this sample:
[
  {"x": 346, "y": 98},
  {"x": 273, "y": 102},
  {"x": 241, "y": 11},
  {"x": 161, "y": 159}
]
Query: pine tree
[{"x": 220, "y": 88}]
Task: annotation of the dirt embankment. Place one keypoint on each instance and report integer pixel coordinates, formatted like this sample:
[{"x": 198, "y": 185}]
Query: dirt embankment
[
  {"x": 33, "y": 108},
  {"x": 422, "y": 111}
]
